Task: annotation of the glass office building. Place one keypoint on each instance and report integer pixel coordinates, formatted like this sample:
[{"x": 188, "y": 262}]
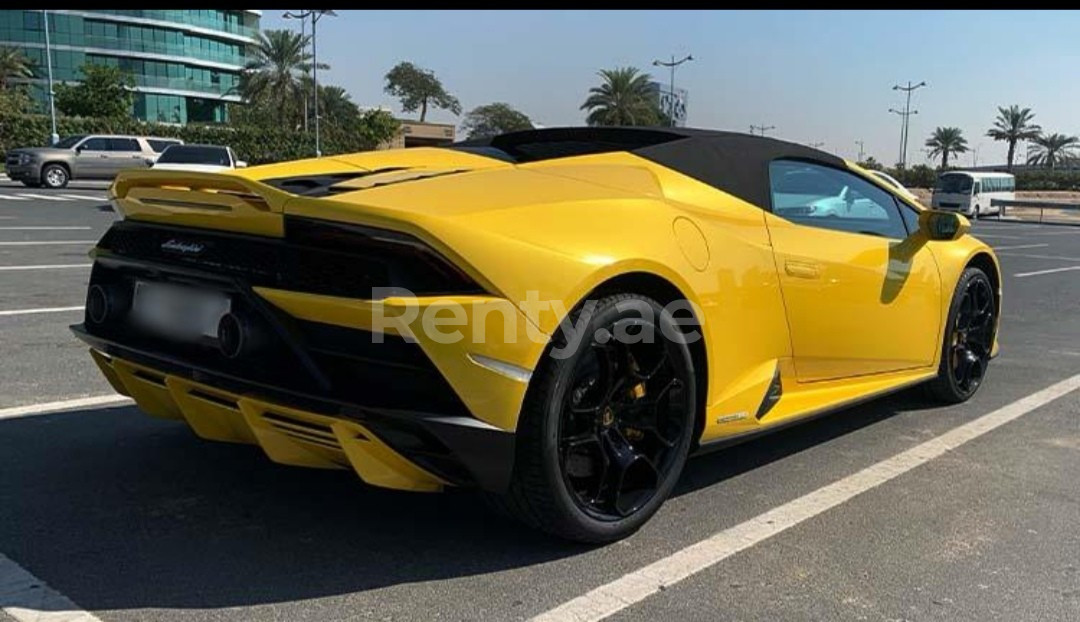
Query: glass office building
[{"x": 186, "y": 64}]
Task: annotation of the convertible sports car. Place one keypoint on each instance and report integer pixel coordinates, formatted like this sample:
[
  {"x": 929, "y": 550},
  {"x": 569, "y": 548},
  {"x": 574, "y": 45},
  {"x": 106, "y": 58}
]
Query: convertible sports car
[{"x": 556, "y": 317}]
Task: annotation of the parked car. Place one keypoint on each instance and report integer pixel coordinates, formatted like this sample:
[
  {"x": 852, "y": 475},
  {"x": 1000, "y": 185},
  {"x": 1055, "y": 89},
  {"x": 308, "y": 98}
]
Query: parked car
[
  {"x": 890, "y": 180},
  {"x": 95, "y": 156},
  {"x": 200, "y": 158},
  {"x": 653, "y": 301}
]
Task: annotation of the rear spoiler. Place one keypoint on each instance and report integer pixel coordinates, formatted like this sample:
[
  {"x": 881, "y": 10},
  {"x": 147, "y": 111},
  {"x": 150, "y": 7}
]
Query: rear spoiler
[{"x": 209, "y": 200}]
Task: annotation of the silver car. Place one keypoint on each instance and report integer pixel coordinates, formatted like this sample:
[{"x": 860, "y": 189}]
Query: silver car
[{"x": 95, "y": 156}]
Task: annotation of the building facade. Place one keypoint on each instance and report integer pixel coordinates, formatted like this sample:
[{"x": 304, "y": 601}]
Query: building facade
[
  {"x": 186, "y": 64},
  {"x": 671, "y": 103},
  {"x": 417, "y": 134}
]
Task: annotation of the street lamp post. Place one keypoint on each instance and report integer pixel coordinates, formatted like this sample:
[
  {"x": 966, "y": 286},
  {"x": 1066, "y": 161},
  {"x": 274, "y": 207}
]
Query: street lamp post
[
  {"x": 314, "y": 15},
  {"x": 817, "y": 145},
  {"x": 672, "y": 65},
  {"x": 54, "y": 137},
  {"x": 762, "y": 128},
  {"x": 905, "y": 114},
  {"x": 862, "y": 151}
]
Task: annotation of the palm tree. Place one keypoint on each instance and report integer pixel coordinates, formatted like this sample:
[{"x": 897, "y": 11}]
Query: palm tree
[
  {"x": 13, "y": 65},
  {"x": 624, "y": 98},
  {"x": 1053, "y": 149},
  {"x": 274, "y": 73},
  {"x": 946, "y": 141},
  {"x": 1013, "y": 124},
  {"x": 336, "y": 104}
]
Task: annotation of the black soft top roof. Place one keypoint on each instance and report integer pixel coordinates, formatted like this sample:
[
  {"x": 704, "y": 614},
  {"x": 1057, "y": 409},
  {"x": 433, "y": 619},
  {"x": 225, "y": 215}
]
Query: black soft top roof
[{"x": 730, "y": 161}]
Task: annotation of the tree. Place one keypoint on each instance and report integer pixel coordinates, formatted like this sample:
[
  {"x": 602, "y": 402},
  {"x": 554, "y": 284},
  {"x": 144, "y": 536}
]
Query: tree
[
  {"x": 872, "y": 165},
  {"x": 336, "y": 105},
  {"x": 105, "y": 91},
  {"x": 494, "y": 119},
  {"x": 273, "y": 76},
  {"x": 1012, "y": 125},
  {"x": 14, "y": 65},
  {"x": 1054, "y": 149},
  {"x": 419, "y": 88},
  {"x": 946, "y": 141},
  {"x": 623, "y": 98}
]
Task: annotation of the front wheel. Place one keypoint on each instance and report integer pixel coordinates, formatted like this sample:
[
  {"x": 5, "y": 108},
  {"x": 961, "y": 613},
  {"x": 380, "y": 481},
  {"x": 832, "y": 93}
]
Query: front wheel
[
  {"x": 606, "y": 426},
  {"x": 969, "y": 338}
]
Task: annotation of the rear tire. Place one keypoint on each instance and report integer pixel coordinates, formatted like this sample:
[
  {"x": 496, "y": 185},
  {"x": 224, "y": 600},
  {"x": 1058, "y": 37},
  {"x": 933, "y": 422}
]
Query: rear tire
[
  {"x": 54, "y": 176},
  {"x": 969, "y": 338},
  {"x": 604, "y": 432}
]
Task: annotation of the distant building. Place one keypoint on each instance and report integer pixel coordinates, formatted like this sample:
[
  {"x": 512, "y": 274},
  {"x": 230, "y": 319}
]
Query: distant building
[
  {"x": 417, "y": 134},
  {"x": 664, "y": 95},
  {"x": 186, "y": 63}
]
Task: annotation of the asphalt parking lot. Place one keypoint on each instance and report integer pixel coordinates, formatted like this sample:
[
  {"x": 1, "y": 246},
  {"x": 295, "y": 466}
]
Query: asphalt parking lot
[{"x": 135, "y": 519}]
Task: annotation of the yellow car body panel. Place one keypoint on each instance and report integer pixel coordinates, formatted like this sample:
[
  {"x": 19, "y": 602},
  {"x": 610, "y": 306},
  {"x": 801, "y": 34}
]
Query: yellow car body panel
[{"x": 837, "y": 316}]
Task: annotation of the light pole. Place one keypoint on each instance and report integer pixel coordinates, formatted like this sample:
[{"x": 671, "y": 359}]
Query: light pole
[
  {"x": 818, "y": 145},
  {"x": 314, "y": 15},
  {"x": 862, "y": 151},
  {"x": 907, "y": 113},
  {"x": 902, "y": 162},
  {"x": 54, "y": 137},
  {"x": 763, "y": 128},
  {"x": 672, "y": 65}
]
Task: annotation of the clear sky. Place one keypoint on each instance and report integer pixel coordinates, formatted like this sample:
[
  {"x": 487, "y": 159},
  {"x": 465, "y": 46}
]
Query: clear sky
[{"x": 817, "y": 76}]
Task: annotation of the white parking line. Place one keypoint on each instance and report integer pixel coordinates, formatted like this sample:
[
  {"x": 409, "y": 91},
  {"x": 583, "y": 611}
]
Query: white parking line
[
  {"x": 28, "y": 599},
  {"x": 1021, "y": 275},
  {"x": 1027, "y": 256},
  {"x": 995, "y": 236},
  {"x": 1019, "y": 246},
  {"x": 48, "y": 243},
  {"x": 638, "y": 585},
  {"x": 46, "y": 408},
  {"x": 13, "y": 197},
  {"x": 44, "y": 197},
  {"x": 45, "y": 228},
  {"x": 87, "y": 197},
  {"x": 55, "y": 266},
  {"x": 41, "y": 310}
]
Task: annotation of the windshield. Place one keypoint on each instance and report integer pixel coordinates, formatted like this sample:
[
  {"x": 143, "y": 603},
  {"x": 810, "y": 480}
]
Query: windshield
[
  {"x": 69, "y": 142},
  {"x": 953, "y": 184},
  {"x": 190, "y": 154}
]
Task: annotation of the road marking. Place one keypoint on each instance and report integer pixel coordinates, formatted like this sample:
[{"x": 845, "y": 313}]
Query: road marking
[
  {"x": 1019, "y": 246},
  {"x": 55, "y": 266},
  {"x": 41, "y": 310},
  {"x": 48, "y": 243},
  {"x": 638, "y": 585},
  {"x": 13, "y": 197},
  {"x": 996, "y": 236},
  {"x": 42, "y": 228},
  {"x": 86, "y": 197},
  {"x": 46, "y": 408},
  {"x": 1026, "y": 256},
  {"x": 28, "y": 599},
  {"x": 1021, "y": 275},
  {"x": 43, "y": 197}
]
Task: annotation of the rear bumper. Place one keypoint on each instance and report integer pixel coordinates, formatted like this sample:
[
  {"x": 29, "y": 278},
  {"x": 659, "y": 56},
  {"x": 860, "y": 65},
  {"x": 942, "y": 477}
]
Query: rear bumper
[{"x": 408, "y": 450}]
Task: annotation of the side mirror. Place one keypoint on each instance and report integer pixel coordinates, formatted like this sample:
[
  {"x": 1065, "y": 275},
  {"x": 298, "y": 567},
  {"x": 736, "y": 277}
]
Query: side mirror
[
  {"x": 946, "y": 226},
  {"x": 79, "y": 149},
  {"x": 241, "y": 164}
]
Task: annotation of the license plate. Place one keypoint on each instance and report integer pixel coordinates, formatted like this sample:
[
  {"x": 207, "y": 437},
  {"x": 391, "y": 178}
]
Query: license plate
[{"x": 183, "y": 313}]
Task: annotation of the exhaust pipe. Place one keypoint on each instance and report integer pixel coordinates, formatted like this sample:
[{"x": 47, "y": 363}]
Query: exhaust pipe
[
  {"x": 238, "y": 336},
  {"x": 107, "y": 302}
]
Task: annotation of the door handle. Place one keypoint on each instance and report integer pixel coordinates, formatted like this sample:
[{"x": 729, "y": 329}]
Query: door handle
[{"x": 802, "y": 269}]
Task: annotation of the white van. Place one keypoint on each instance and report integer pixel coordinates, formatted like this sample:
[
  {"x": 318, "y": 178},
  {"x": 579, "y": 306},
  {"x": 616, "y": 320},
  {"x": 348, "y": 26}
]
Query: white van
[{"x": 971, "y": 193}]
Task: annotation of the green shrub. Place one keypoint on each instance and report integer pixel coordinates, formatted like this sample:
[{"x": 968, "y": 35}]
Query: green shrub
[{"x": 255, "y": 144}]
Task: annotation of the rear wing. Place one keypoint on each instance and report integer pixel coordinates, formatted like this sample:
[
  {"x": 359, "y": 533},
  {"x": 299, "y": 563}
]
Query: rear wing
[{"x": 208, "y": 200}]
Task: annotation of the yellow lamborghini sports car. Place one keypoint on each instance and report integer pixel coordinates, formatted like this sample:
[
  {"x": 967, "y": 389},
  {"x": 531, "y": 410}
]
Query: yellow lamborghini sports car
[{"x": 556, "y": 317}]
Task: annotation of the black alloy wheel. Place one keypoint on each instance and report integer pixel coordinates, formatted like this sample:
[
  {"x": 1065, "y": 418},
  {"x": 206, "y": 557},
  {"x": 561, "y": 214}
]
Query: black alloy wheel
[
  {"x": 604, "y": 431},
  {"x": 969, "y": 338}
]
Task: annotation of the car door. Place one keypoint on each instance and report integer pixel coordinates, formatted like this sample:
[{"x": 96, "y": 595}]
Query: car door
[
  {"x": 125, "y": 153},
  {"x": 91, "y": 159},
  {"x": 862, "y": 296}
]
